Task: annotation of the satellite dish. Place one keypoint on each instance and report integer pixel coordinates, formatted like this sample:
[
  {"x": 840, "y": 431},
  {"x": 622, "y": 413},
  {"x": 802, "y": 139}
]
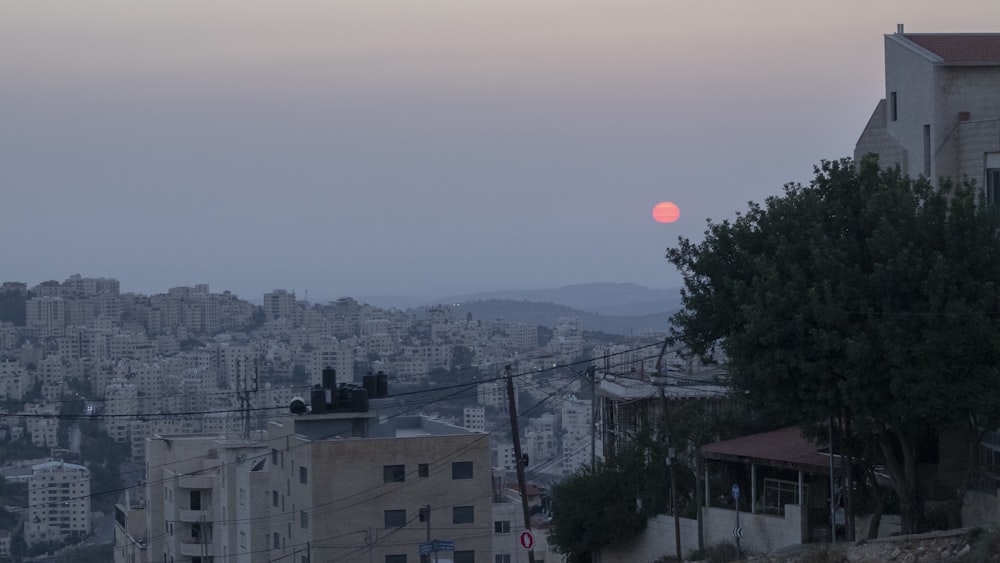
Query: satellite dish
[{"x": 297, "y": 406}]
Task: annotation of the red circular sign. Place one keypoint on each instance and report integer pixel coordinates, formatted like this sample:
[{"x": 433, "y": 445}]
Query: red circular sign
[{"x": 527, "y": 540}]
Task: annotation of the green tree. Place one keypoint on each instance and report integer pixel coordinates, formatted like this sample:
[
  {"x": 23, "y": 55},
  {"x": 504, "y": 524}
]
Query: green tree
[
  {"x": 865, "y": 295},
  {"x": 13, "y": 307},
  {"x": 608, "y": 504}
]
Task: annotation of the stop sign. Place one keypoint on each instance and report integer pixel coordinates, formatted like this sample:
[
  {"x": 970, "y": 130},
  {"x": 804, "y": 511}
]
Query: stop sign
[{"x": 527, "y": 540}]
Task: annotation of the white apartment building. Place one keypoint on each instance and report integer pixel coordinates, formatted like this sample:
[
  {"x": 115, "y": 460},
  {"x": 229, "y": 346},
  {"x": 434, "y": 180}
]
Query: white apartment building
[
  {"x": 58, "y": 502},
  {"x": 339, "y": 486},
  {"x": 46, "y": 316},
  {"x": 279, "y": 304},
  {"x": 941, "y": 113},
  {"x": 14, "y": 380},
  {"x": 474, "y": 418},
  {"x": 43, "y": 426}
]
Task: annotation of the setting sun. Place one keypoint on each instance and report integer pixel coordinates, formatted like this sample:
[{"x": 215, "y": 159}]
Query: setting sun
[{"x": 666, "y": 212}]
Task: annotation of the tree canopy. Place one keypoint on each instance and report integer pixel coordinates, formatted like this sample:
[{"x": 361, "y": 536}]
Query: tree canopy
[{"x": 865, "y": 295}]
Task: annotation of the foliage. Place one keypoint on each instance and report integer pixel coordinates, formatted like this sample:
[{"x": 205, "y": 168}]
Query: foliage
[
  {"x": 13, "y": 308},
  {"x": 190, "y": 344},
  {"x": 544, "y": 336},
  {"x": 864, "y": 295},
  {"x": 985, "y": 546},
  {"x": 21, "y": 449},
  {"x": 721, "y": 553},
  {"x": 608, "y": 504},
  {"x": 299, "y": 374},
  {"x": 591, "y": 509},
  {"x": 462, "y": 357}
]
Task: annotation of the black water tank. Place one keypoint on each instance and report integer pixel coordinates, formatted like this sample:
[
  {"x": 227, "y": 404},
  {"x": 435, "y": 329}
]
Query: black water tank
[
  {"x": 370, "y": 385},
  {"x": 329, "y": 378},
  {"x": 318, "y": 399},
  {"x": 359, "y": 400},
  {"x": 382, "y": 386},
  {"x": 342, "y": 398}
]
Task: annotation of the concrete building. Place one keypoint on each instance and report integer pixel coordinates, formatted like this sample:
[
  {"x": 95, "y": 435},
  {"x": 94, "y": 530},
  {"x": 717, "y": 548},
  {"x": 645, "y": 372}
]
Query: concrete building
[
  {"x": 58, "y": 502},
  {"x": 940, "y": 117},
  {"x": 474, "y": 418},
  {"x": 323, "y": 486},
  {"x": 46, "y": 316},
  {"x": 279, "y": 304},
  {"x": 352, "y": 487}
]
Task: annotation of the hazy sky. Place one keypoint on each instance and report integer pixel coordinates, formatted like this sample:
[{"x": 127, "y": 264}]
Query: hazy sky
[{"x": 416, "y": 147}]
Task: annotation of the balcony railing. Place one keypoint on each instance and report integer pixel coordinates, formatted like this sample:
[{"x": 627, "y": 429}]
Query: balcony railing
[{"x": 195, "y": 516}]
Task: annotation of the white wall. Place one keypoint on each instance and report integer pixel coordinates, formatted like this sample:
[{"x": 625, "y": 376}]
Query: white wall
[{"x": 654, "y": 542}]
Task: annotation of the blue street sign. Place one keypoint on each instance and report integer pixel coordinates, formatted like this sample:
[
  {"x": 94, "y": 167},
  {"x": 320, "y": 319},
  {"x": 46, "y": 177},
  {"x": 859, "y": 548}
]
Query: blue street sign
[
  {"x": 444, "y": 545},
  {"x": 736, "y": 491},
  {"x": 426, "y": 547}
]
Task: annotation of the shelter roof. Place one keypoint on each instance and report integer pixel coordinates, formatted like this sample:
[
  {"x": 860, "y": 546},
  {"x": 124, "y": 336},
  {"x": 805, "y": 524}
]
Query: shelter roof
[{"x": 786, "y": 448}]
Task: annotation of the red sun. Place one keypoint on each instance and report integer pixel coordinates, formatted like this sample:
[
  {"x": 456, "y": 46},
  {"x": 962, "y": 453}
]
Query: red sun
[{"x": 666, "y": 212}]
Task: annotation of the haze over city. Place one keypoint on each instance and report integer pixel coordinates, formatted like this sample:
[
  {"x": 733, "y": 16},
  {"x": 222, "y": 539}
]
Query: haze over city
[{"x": 359, "y": 148}]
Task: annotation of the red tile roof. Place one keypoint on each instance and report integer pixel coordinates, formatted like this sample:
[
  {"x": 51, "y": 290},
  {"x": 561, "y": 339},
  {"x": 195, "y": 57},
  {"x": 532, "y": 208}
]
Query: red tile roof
[
  {"x": 785, "y": 448},
  {"x": 960, "y": 47}
]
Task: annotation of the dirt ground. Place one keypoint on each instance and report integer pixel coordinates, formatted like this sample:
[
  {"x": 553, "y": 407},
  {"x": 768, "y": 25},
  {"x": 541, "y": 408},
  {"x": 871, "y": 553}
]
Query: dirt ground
[{"x": 965, "y": 545}]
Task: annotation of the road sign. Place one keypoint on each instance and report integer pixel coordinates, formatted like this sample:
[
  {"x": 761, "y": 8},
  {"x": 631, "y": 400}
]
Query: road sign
[
  {"x": 444, "y": 545},
  {"x": 736, "y": 491},
  {"x": 737, "y": 532},
  {"x": 527, "y": 540},
  {"x": 426, "y": 547}
]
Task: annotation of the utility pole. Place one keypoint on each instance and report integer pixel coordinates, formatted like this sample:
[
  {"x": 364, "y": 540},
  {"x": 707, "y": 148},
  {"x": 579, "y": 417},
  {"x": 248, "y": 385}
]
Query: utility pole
[
  {"x": 593, "y": 418},
  {"x": 668, "y": 438},
  {"x": 519, "y": 461}
]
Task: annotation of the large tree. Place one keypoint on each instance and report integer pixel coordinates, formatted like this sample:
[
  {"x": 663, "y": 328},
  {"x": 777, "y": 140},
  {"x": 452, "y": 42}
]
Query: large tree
[{"x": 866, "y": 296}]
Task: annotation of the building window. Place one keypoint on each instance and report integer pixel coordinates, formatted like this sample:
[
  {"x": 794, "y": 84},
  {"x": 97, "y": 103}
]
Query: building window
[
  {"x": 467, "y": 556},
  {"x": 993, "y": 186},
  {"x": 892, "y": 106},
  {"x": 304, "y": 519},
  {"x": 423, "y": 470},
  {"x": 501, "y": 527},
  {"x": 303, "y": 476},
  {"x": 395, "y": 518},
  {"x": 463, "y": 515},
  {"x": 274, "y": 499},
  {"x": 274, "y": 457},
  {"x": 276, "y": 540},
  {"x": 501, "y": 558},
  {"x": 461, "y": 470},
  {"x": 393, "y": 473},
  {"x": 395, "y": 558}
]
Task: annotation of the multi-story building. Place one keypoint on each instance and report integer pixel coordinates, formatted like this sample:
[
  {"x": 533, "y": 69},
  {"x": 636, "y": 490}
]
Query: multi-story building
[
  {"x": 279, "y": 304},
  {"x": 46, "y": 316},
  {"x": 58, "y": 502},
  {"x": 333, "y": 486},
  {"x": 42, "y": 424},
  {"x": 474, "y": 418},
  {"x": 130, "y": 528},
  {"x": 940, "y": 117}
]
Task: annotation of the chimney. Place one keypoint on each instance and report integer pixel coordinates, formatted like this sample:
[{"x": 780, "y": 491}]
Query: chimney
[{"x": 899, "y": 28}]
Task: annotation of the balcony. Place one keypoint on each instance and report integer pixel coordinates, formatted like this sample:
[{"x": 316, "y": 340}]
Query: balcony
[
  {"x": 195, "y": 481},
  {"x": 195, "y": 516},
  {"x": 193, "y": 548}
]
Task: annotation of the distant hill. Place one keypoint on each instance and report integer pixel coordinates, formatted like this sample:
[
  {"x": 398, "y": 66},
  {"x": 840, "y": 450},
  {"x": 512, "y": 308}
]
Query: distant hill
[
  {"x": 616, "y": 299},
  {"x": 548, "y": 314}
]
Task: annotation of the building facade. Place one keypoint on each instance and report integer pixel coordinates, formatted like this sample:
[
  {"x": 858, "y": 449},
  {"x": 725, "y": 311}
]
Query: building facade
[
  {"x": 940, "y": 117},
  {"x": 58, "y": 503}
]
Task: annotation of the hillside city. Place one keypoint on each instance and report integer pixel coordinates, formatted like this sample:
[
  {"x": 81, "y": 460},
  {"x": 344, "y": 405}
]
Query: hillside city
[{"x": 85, "y": 367}]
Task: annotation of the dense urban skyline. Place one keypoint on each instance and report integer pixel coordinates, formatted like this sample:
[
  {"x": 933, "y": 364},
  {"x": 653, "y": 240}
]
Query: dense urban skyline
[{"x": 352, "y": 148}]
